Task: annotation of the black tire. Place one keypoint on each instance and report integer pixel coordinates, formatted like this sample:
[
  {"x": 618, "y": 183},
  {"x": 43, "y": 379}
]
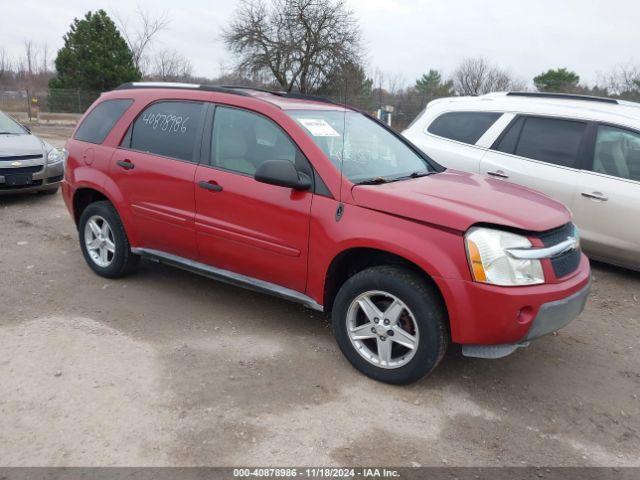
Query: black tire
[
  {"x": 422, "y": 300},
  {"x": 124, "y": 261},
  {"x": 49, "y": 191}
]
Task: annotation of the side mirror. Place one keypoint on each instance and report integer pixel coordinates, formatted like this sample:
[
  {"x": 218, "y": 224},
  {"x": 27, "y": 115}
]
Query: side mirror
[{"x": 282, "y": 173}]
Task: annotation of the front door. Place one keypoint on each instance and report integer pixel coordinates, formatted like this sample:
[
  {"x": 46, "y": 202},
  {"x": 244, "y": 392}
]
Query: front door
[
  {"x": 154, "y": 168},
  {"x": 606, "y": 205},
  {"x": 540, "y": 153},
  {"x": 248, "y": 227}
]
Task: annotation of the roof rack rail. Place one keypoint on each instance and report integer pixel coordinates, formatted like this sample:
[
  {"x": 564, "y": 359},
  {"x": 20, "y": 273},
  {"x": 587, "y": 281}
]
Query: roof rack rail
[
  {"x": 563, "y": 96},
  {"x": 280, "y": 93},
  {"x": 232, "y": 89},
  {"x": 185, "y": 86}
]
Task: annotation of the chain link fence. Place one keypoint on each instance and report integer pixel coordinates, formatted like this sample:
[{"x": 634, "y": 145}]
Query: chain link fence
[{"x": 31, "y": 103}]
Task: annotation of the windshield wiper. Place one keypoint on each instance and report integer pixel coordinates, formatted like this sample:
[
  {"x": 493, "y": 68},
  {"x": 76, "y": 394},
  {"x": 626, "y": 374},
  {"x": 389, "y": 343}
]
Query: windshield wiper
[
  {"x": 417, "y": 174},
  {"x": 8, "y": 133},
  {"x": 373, "y": 181}
]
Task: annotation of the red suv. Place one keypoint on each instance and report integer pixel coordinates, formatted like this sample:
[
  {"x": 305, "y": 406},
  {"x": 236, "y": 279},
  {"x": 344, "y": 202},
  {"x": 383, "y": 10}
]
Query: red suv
[{"x": 320, "y": 204}]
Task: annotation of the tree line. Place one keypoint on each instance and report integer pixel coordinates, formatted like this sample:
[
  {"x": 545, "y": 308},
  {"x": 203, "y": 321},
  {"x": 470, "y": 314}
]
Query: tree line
[{"x": 310, "y": 46}]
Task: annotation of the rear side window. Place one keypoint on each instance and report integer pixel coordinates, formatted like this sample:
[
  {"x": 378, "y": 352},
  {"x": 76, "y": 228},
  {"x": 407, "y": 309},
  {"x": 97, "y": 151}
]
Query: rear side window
[
  {"x": 99, "y": 122},
  {"x": 171, "y": 129},
  {"x": 549, "y": 140},
  {"x": 466, "y": 127},
  {"x": 617, "y": 153}
]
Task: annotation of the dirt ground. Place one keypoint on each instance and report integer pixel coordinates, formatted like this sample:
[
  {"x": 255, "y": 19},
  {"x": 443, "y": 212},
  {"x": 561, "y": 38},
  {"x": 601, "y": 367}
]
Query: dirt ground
[{"x": 168, "y": 368}]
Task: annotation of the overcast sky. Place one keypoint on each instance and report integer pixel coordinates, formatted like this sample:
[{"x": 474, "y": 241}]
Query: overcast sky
[{"x": 403, "y": 37}]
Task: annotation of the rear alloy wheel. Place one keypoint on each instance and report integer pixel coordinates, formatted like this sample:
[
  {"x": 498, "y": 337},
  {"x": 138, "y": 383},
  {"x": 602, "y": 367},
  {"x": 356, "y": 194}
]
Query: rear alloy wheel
[
  {"x": 103, "y": 241},
  {"x": 99, "y": 241},
  {"x": 391, "y": 324}
]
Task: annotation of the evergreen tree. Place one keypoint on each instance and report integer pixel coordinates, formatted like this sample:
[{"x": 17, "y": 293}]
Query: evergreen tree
[
  {"x": 431, "y": 86},
  {"x": 560, "y": 80},
  {"x": 94, "y": 57}
]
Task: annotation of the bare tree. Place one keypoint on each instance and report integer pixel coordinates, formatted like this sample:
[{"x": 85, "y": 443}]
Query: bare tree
[
  {"x": 169, "y": 65},
  {"x": 5, "y": 64},
  {"x": 624, "y": 82},
  {"x": 140, "y": 37},
  {"x": 476, "y": 76},
  {"x": 299, "y": 42}
]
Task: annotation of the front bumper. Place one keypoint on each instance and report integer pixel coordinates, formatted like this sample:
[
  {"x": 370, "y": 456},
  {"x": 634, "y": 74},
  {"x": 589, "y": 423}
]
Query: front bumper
[
  {"x": 552, "y": 316},
  {"x": 481, "y": 314},
  {"x": 50, "y": 176}
]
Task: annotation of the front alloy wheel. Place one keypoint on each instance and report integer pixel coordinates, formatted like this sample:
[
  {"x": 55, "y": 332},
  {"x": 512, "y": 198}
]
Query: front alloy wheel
[
  {"x": 391, "y": 323},
  {"x": 382, "y": 329}
]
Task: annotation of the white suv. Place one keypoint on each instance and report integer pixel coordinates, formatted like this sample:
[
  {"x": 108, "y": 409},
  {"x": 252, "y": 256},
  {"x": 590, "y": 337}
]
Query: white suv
[{"x": 583, "y": 151}]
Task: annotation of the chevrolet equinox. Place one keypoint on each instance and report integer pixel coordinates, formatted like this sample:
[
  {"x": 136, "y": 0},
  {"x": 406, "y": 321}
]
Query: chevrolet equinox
[{"x": 320, "y": 204}]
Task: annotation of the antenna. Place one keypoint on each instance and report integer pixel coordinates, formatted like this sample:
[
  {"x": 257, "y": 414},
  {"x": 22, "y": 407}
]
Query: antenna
[{"x": 340, "y": 209}]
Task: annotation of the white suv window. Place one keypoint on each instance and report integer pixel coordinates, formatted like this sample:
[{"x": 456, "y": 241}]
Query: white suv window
[
  {"x": 551, "y": 140},
  {"x": 617, "y": 153},
  {"x": 465, "y": 127}
]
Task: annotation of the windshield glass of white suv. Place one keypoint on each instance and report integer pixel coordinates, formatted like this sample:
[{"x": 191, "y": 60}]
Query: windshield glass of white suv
[
  {"x": 369, "y": 151},
  {"x": 9, "y": 126}
]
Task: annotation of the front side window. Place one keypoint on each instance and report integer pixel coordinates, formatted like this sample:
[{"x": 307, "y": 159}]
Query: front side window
[
  {"x": 550, "y": 140},
  {"x": 171, "y": 129},
  {"x": 617, "y": 153},
  {"x": 358, "y": 146},
  {"x": 466, "y": 127},
  {"x": 242, "y": 140},
  {"x": 8, "y": 126},
  {"x": 99, "y": 122}
]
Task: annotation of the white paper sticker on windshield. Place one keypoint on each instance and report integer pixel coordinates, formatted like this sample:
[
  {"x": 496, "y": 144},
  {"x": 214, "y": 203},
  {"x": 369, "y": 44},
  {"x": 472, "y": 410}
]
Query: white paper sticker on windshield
[{"x": 318, "y": 127}]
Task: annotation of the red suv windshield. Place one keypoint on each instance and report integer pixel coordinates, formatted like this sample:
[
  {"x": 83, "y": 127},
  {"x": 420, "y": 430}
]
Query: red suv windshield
[{"x": 369, "y": 150}]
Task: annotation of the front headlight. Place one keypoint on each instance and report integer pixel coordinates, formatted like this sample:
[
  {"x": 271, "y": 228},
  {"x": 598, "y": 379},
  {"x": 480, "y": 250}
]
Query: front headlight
[
  {"x": 491, "y": 263},
  {"x": 55, "y": 156}
]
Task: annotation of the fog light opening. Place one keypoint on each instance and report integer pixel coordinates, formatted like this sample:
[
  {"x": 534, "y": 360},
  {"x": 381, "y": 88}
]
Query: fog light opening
[{"x": 524, "y": 315}]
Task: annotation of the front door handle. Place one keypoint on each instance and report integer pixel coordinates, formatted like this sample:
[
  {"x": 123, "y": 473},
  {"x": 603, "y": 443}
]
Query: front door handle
[
  {"x": 126, "y": 164},
  {"x": 210, "y": 185},
  {"x": 498, "y": 173},
  {"x": 595, "y": 196}
]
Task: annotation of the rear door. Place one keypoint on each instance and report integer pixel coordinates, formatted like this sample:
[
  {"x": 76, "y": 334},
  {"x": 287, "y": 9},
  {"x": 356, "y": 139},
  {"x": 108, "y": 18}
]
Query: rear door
[
  {"x": 607, "y": 200},
  {"x": 543, "y": 153},
  {"x": 450, "y": 139},
  {"x": 248, "y": 227},
  {"x": 154, "y": 168}
]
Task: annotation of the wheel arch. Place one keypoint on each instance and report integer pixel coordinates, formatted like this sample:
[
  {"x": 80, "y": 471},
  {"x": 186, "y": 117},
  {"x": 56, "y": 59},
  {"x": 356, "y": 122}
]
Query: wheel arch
[
  {"x": 85, "y": 196},
  {"x": 353, "y": 260},
  {"x": 87, "y": 193}
]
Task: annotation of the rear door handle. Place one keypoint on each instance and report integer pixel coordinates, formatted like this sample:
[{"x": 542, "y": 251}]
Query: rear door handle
[
  {"x": 498, "y": 173},
  {"x": 126, "y": 164},
  {"x": 210, "y": 185},
  {"x": 595, "y": 196}
]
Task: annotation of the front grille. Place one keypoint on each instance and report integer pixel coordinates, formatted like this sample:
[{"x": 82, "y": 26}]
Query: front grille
[
  {"x": 35, "y": 183},
  {"x": 567, "y": 262},
  {"x": 15, "y": 158},
  {"x": 12, "y": 171}
]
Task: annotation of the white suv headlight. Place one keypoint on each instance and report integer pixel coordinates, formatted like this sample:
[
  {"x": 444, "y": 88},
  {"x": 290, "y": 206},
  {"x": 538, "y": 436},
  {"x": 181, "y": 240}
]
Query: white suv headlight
[
  {"x": 55, "y": 156},
  {"x": 491, "y": 263}
]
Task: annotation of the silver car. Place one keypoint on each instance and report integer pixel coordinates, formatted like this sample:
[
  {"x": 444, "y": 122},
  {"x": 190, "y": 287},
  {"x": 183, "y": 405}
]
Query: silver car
[
  {"x": 583, "y": 151},
  {"x": 27, "y": 163}
]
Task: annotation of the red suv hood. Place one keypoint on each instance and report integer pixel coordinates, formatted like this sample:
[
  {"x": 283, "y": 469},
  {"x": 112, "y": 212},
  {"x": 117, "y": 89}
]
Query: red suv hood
[{"x": 458, "y": 200}]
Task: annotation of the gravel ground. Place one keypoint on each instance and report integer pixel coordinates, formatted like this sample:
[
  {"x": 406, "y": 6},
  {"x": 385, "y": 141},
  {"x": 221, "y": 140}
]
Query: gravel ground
[{"x": 168, "y": 368}]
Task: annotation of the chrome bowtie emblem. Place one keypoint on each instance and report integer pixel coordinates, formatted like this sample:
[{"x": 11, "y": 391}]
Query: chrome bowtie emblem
[{"x": 16, "y": 164}]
